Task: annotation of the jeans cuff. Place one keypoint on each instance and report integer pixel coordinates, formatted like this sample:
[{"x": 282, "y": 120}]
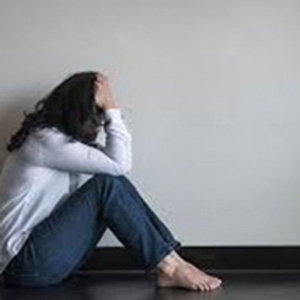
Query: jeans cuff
[{"x": 172, "y": 246}]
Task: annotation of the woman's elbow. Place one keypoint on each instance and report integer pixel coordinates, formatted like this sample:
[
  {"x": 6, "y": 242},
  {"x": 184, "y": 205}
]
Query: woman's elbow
[{"x": 123, "y": 169}]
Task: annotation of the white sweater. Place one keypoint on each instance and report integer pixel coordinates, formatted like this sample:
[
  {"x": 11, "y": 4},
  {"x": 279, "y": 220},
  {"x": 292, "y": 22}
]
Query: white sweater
[{"x": 38, "y": 176}]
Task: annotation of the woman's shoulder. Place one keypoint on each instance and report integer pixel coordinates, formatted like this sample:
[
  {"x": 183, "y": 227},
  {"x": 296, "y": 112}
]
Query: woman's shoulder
[
  {"x": 46, "y": 134},
  {"x": 41, "y": 131}
]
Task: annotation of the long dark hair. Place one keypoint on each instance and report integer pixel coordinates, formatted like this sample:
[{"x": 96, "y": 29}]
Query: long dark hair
[{"x": 70, "y": 107}]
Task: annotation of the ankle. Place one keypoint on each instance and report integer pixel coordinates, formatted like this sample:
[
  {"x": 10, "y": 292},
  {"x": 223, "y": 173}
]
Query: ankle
[{"x": 169, "y": 263}]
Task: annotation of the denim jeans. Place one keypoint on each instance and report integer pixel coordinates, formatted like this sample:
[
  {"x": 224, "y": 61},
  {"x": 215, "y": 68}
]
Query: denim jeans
[{"x": 60, "y": 244}]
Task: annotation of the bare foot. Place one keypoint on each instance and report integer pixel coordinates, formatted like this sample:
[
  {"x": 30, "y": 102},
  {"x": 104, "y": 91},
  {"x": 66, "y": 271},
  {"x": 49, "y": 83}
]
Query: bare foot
[{"x": 180, "y": 273}]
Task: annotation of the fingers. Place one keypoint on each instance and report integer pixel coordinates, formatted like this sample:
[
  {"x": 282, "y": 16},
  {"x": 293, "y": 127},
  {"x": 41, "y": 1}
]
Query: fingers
[
  {"x": 101, "y": 78},
  {"x": 101, "y": 81}
]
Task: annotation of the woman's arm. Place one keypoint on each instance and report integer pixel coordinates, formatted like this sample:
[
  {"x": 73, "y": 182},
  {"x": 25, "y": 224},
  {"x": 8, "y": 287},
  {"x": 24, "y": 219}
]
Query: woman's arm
[
  {"x": 51, "y": 148},
  {"x": 118, "y": 140}
]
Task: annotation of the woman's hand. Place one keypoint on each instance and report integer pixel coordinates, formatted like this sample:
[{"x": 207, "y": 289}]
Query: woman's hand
[{"x": 103, "y": 93}]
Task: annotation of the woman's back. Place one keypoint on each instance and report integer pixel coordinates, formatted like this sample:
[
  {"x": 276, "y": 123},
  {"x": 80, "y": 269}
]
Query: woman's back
[{"x": 28, "y": 193}]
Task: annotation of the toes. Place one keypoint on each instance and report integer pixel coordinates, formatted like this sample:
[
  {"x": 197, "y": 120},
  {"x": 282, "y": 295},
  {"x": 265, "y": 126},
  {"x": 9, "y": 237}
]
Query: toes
[
  {"x": 214, "y": 283},
  {"x": 195, "y": 287},
  {"x": 209, "y": 287},
  {"x": 201, "y": 287},
  {"x": 219, "y": 281},
  {"x": 204, "y": 286}
]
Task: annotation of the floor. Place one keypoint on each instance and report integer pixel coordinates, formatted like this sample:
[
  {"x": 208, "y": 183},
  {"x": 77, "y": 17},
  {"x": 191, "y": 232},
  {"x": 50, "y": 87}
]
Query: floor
[{"x": 258, "y": 285}]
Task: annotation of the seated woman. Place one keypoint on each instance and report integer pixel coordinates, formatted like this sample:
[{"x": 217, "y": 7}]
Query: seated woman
[{"x": 49, "y": 223}]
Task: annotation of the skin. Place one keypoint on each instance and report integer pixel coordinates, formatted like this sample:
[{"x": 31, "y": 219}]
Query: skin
[
  {"x": 103, "y": 93},
  {"x": 173, "y": 270}
]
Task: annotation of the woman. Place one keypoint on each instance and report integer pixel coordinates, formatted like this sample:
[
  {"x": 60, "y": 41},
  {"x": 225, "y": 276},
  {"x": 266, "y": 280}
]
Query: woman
[{"x": 49, "y": 222}]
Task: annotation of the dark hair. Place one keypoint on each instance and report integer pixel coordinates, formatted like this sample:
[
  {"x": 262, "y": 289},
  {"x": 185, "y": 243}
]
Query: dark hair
[{"x": 70, "y": 107}]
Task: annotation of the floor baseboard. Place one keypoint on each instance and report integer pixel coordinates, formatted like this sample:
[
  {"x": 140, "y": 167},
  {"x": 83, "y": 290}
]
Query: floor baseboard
[{"x": 229, "y": 258}]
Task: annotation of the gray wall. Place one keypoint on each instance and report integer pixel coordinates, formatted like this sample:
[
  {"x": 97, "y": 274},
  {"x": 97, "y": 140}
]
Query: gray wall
[{"x": 209, "y": 89}]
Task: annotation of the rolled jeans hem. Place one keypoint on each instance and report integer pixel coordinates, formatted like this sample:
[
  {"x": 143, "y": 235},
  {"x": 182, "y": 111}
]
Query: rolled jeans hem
[{"x": 173, "y": 246}]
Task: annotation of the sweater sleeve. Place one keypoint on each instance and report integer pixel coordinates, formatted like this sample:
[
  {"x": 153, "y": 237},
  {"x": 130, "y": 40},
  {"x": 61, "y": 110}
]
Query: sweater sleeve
[
  {"x": 118, "y": 139},
  {"x": 53, "y": 149}
]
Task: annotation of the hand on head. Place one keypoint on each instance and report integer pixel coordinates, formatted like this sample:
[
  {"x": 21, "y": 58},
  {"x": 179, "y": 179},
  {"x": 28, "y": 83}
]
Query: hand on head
[{"x": 103, "y": 93}]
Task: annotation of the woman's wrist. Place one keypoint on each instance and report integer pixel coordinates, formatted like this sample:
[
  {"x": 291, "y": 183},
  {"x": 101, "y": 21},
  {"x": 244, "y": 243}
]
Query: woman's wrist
[
  {"x": 111, "y": 112},
  {"x": 111, "y": 107}
]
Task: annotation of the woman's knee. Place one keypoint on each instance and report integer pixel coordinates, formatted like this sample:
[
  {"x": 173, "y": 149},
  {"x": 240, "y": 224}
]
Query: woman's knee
[{"x": 107, "y": 178}]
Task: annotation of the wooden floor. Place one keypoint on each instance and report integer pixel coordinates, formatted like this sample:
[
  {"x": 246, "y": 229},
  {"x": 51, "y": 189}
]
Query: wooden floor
[{"x": 262, "y": 285}]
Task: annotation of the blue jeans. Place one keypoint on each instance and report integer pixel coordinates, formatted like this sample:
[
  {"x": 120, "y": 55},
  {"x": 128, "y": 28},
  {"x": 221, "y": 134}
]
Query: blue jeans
[{"x": 60, "y": 244}]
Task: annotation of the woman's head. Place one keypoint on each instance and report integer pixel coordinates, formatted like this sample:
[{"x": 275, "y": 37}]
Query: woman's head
[{"x": 70, "y": 107}]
